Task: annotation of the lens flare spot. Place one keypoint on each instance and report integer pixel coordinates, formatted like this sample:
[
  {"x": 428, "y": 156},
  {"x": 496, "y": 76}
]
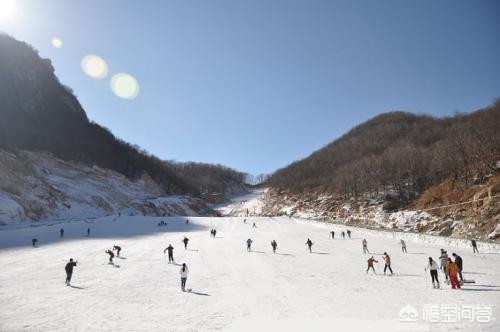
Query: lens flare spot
[
  {"x": 57, "y": 42},
  {"x": 125, "y": 86},
  {"x": 95, "y": 66}
]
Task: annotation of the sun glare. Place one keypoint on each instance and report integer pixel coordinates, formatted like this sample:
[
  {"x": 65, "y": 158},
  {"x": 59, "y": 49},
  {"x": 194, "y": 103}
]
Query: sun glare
[
  {"x": 95, "y": 66},
  {"x": 57, "y": 42},
  {"x": 8, "y": 9},
  {"x": 125, "y": 86}
]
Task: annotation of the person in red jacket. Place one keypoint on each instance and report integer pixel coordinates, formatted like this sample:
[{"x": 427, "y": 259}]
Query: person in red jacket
[
  {"x": 371, "y": 260},
  {"x": 451, "y": 272}
]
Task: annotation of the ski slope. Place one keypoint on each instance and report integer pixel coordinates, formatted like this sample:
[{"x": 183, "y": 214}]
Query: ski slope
[{"x": 233, "y": 290}]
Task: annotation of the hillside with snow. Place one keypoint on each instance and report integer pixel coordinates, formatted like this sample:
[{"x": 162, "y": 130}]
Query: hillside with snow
[{"x": 40, "y": 187}]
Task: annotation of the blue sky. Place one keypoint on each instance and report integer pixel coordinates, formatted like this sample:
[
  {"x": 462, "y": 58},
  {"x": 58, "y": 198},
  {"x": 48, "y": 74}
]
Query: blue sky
[{"x": 255, "y": 85}]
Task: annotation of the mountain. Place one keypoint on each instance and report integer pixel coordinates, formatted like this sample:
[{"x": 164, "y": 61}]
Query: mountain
[{"x": 38, "y": 113}]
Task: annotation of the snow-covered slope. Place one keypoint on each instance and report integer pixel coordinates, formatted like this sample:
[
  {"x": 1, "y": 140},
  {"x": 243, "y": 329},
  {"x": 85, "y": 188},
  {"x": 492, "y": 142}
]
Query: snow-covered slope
[
  {"x": 249, "y": 204},
  {"x": 232, "y": 289},
  {"x": 37, "y": 186}
]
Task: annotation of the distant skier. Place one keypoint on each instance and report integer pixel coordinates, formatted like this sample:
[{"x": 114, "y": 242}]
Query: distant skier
[
  {"x": 451, "y": 273},
  {"x": 88, "y": 231},
  {"x": 111, "y": 255},
  {"x": 343, "y": 234},
  {"x": 34, "y": 242},
  {"x": 349, "y": 233},
  {"x": 433, "y": 268},
  {"x": 274, "y": 245},
  {"x": 365, "y": 246},
  {"x": 474, "y": 246},
  {"x": 170, "y": 250},
  {"x": 403, "y": 246},
  {"x": 118, "y": 249},
  {"x": 459, "y": 262},
  {"x": 443, "y": 259},
  {"x": 254, "y": 226},
  {"x": 332, "y": 234},
  {"x": 215, "y": 232},
  {"x": 309, "y": 244},
  {"x": 186, "y": 240},
  {"x": 249, "y": 245},
  {"x": 370, "y": 261},
  {"x": 244, "y": 221},
  {"x": 184, "y": 273},
  {"x": 387, "y": 261},
  {"x": 69, "y": 270},
  {"x": 62, "y": 232},
  {"x": 187, "y": 221}
]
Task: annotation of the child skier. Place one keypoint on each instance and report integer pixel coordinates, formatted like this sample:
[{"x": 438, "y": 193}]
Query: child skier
[
  {"x": 387, "y": 260},
  {"x": 186, "y": 240},
  {"x": 403, "y": 246},
  {"x": 118, "y": 249},
  {"x": 184, "y": 273},
  {"x": 69, "y": 270},
  {"x": 433, "y": 268},
  {"x": 111, "y": 255},
  {"x": 249, "y": 245},
  {"x": 371, "y": 260},
  {"x": 365, "y": 247},
  {"x": 309, "y": 244},
  {"x": 170, "y": 250},
  {"x": 274, "y": 245}
]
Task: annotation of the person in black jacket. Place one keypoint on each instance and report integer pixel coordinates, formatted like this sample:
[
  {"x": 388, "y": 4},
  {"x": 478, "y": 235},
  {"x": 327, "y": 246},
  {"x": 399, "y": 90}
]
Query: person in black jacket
[
  {"x": 69, "y": 270},
  {"x": 170, "y": 250},
  {"x": 111, "y": 255},
  {"x": 118, "y": 249},
  {"x": 459, "y": 262},
  {"x": 185, "y": 241},
  {"x": 62, "y": 232}
]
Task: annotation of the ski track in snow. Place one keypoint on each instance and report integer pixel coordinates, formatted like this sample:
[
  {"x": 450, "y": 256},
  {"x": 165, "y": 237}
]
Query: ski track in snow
[{"x": 233, "y": 290}]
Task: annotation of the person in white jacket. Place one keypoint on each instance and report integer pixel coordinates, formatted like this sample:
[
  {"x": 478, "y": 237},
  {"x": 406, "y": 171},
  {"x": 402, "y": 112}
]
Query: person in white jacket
[
  {"x": 433, "y": 268},
  {"x": 184, "y": 273}
]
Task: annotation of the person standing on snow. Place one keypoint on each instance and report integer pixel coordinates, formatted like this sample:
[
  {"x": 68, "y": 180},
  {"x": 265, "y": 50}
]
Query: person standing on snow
[
  {"x": 371, "y": 260},
  {"x": 403, "y": 246},
  {"x": 433, "y": 268},
  {"x": 349, "y": 233},
  {"x": 343, "y": 234},
  {"x": 365, "y": 247},
  {"x": 451, "y": 272},
  {"x": 309, "y": 244},
  {"x": 34, "y": 242},
  {"x": 184, "y": 273},
  {"x": 387, "y": 261},
  {"x": 274, "y": 245},
  {"x": 62, "y": 232},
  {"x": 332, "y": 233},
  {"x": 459, "y": 262},
  {"x": 88, "y": 231},
  {"x": 474, "y": 246},
  {"x": 170, "y": 250},
  {"x": 443, "y": 259},
  {"x": 187, "y": 221},
  {"x": 69, "y": 270},
  {"x": 249, "y": 245},
  {"x": 186, "y": 240},
  {"x": 111, "y": 255},
  {"x": 118, "y": 249}
]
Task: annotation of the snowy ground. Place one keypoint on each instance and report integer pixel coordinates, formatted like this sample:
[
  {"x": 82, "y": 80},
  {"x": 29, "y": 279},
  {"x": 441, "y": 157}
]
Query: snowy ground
[
  {"x": 233, "y": 289},
  {"x": 246, "y": 204}
]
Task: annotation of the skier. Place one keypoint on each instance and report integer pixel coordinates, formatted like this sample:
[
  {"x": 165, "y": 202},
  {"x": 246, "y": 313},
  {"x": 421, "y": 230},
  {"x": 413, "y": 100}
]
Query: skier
[
  {"x": 459, "y": 262},
  {"x": 371, "y": 260},
  {"x": 186, "y": 240},
  {"x": 274, "y": 245},
  {"x": 244, "y": 221},
  {"x": 349, "y": 233},
  {"x": 111, "y": 255},
  {"x": 187, "y": 221},
  {"x": 88, "y": 231},
  {"x": 62, "y": 232},
  {"x": 332, "y": 233},
  {"x": 343, "y": 234},
  {"x": 170, "y": 250},
  {"x": 309, "y": 244},
  {"x": 474, "y": 246},
  {"x": 254, "y": 226},
  {"x": 451, "y": 273},
  {"x": 118, "y": 249},
  {"x": 184, "y": 273},
  {"x": 387, "y": 260},
  {"x": 433, "y": 268},
  {"x": 34, "y": 242},
  {"x": 443, "y": 259},
  {"x": 215, "y": 232},
  {"x": 249, "y": 245},
  {"x": 69, "y": 270},
  {"x": 365, "y": 247},
  {"x": 211, "y": 232},
  {"x": 403, "y": 246}
]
